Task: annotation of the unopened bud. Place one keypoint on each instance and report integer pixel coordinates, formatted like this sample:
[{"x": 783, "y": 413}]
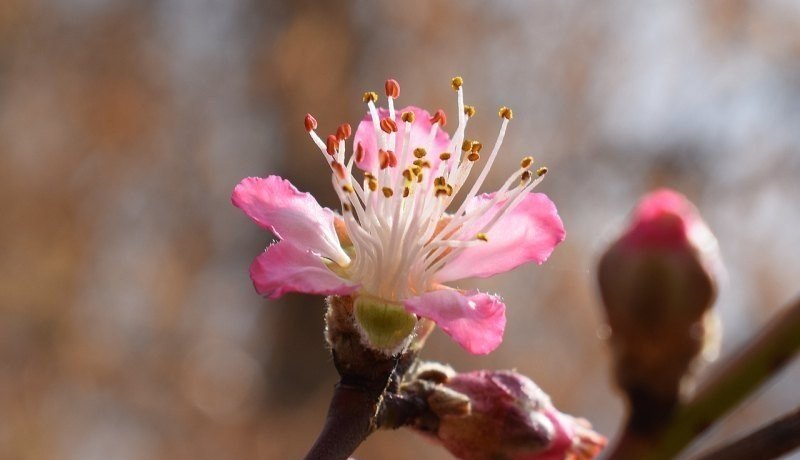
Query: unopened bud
[
  {"x": 509, "y": 417},
  {"x": 658, "y": 283}
]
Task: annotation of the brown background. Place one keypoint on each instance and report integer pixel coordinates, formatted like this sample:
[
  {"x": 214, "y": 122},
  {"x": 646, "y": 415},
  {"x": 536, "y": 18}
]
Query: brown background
[{"x": 128, "y": 326}]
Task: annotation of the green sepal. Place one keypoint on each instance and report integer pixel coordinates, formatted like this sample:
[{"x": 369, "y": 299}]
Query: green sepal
[{"x": 385, "y": 325}]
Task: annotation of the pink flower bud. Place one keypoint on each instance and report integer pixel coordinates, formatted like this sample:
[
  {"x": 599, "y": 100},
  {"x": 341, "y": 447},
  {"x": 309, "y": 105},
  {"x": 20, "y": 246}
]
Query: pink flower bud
[
  {"x": 658, "y": 283},
  {"x": 510, "y": 417}
]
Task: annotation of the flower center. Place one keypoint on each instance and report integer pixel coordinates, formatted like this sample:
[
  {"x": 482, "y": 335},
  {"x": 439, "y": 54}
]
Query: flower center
[{"x": 394, "y": 215}]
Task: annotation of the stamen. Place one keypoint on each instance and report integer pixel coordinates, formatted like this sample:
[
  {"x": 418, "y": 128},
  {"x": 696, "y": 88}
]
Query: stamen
[
  {"x": 506, "y": 113},
  {"x": 482, "y": 237},
  {"x": 469, "y": 110},
  {"x": 387, "y": 192},
  {"x": 439, "y": 117},
  {"x": 444, "y": 156},
  {"x": 359, "y": 153},
  {"x": 372, "y": 183},
  {"x": 310, "y": 122},
  {"x": 388, "y": 125},
  {"x": 456, "y": 82},
  {"x": 387, "y": 158},
  {"x": 473, "y": 157},
  {"x": 420, "y": 152},
  {"x": 525, "y": 177},
  {"x": 344, "y": 131},
  {"x": 408, "y": 117},
  {"x": 541, "y": 171},
  {"x": 348, "y": 188},
  {"x": 332, "y": 145},
  {"x": 526, "y": 162},
  {"x": 346, "y": 207},
  {"x": 370, "y": 96},
  {"x": 476, "y": 147},
  {"x": 466, "y": 146},
  {"x": 392, "y": 88},
  {"x": 406, "y": 192}
]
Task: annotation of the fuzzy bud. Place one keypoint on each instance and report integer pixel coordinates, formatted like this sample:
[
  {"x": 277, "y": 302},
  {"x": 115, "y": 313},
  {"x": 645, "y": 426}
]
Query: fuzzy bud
[
  {"x": 509, "y": 417},
  {"x": 658, "y": 283}
]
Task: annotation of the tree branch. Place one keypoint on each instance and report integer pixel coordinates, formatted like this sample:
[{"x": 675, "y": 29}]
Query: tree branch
[{"x": 771, "y": 441}]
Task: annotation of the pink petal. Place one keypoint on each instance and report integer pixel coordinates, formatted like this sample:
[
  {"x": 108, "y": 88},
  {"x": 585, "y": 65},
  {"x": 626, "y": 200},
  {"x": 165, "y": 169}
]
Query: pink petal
[
  {"x": 284, "y": 267},
  {"x": 420, "y": 130},
  {"x": 275, "y": 204},
  {"x": 475, "y": 320},
  {"x": 528, "y": 233}
]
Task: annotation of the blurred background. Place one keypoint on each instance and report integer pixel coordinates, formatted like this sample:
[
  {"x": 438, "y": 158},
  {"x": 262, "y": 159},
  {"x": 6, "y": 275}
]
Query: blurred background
[{"x": 129, "y": 329}]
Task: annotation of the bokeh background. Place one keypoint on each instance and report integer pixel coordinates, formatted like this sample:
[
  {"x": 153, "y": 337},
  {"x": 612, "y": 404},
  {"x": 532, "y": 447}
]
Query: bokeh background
[{"x": 128, "y": 326}]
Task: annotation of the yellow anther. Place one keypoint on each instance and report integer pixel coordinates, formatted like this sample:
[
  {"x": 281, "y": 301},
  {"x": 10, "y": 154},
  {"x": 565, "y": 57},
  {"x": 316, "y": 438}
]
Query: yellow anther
[
  {"x": 469, "y": 110},
  {"x": 408, "y": 174},
  {"x": 370, "y": 96},
  {"x": 408, "y": 117},
  {"x": 372, "y": 183},
  {"x": 346, "y": 207},
  {"x": 440, "y": 191},
  {"x": 505, "y": 112},
  {"x": 541, "y": 171},
  {"x": 387, "y": 192},
  {"x": 439, "y": 181},
  {"x": 406, "y": 191},
  {"x": 466, "y": 145},
  {"x": 415, "y": 170},
  {"x": 482, "y": 237},
  {"x": 419, "y": 152},
  {"x": 457, "y": 82},
  {"x": 348, "y": 188},
  {"x": 526, "y": 162},
  {"x": 444, "y": 156},
  {"x": 476, "y": 146},
  {"x": 474, "y": 156}
]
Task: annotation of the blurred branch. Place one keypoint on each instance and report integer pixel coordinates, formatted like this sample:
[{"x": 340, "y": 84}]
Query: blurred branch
[
  {"x": 759, "y": 360},
  {"x": 771, "y": 441}
]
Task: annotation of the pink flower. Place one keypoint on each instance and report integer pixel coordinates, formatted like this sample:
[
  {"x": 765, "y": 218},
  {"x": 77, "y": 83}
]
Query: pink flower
[{"x": 394, "y": 244}]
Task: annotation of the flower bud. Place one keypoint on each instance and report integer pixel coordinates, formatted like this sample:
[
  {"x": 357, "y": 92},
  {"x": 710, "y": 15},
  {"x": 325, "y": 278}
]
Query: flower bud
[
  {"x": 508, "y": 417},
  {"x": 658, "y": 282}
]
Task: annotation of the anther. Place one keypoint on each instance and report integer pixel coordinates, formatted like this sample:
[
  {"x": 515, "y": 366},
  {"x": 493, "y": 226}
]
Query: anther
[
  {"x": 370, "y": 96},
  {"x": 310, "y": 122},
  {"x": 338, "y": 168},
  {"x": 525, "y": 177},
  {"x": 482, "y": 237},
  {"x": 456, "y": 82},
  {"x": 466, "y": 146},
  {"x": 526, "y": 162},
  {"x": 359, "y": 153},
  {"x": 372, "y": 183},
  {"x": 388, "y": 125},
  {"x": 344, "y": 131},
  {"x": 386, "y": 158},
  {"x": 332, "y": 144},
  {"x": 422, "y": 163},
  {"x": 541, "y": 171},
  {"x": 474, "y": 156},
  {"x": 346, "y": 207},
  {"x": 469, "y": 110},
  {"x": 439, "y": 181},
  {"x": 505, "y": 112},
  {"x": 440, "y": 191},
  {"x": 408, "y": 117},
  {"x": 419, "y": 152},
  {"x": 408, "y": 174},
  {"x": 387, "y": 192},
  {"x": 476, "y": 146},
  {"x": 444, "y": 156},
  {"x": 406, "y": 192},
  {"x": 348, "y": 188},
  {"x": 392, "y": 88},
  {"x": 439, "y": 117}
]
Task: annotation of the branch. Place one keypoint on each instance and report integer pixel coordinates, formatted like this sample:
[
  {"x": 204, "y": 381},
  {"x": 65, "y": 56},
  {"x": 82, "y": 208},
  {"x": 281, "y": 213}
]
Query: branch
[
  {"x": 761, "y": 359},
  {"x": 771, "y": 441}
]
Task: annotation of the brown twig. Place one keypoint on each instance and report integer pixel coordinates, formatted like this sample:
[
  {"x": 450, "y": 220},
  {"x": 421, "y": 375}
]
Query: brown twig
[{"x": 771, "y": 441}]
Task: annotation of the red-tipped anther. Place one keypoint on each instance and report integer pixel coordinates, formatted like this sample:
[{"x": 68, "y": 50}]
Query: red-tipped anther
[
  {"x": 392, "y": 88},
  {"x": 344, "y": 131},
  {"x": 359, "y": 153},
  {"x": 386, "y": 159},
  {"x": 333, "y": 144},
  {"x": 338, "y": 168},
  {"x": 310, "y": 122},
  {"x": 439, "y": 117},
  {"x": 388, "y": 125}
]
